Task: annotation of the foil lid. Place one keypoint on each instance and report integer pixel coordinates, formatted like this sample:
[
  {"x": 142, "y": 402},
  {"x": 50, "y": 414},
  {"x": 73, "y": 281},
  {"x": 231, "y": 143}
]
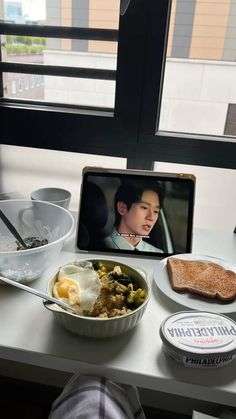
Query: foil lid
[{"x": 199, "y": 333}]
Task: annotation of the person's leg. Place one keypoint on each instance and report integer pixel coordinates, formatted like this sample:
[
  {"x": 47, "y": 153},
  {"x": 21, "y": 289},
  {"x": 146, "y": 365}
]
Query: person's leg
[{"x": 89, "y": 397}]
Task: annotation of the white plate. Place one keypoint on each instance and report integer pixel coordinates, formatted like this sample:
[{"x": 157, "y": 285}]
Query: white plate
[{"x": 193, "y": 301}]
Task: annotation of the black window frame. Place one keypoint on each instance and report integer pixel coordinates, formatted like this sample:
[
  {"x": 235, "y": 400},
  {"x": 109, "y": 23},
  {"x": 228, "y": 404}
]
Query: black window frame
[
  {"x": 82, "y": 129},
  {"x": 130, "y": 131}
]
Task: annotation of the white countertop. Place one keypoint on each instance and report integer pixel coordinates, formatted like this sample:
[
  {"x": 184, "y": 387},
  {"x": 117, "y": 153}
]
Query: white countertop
[{"x": 30, "y": 334}]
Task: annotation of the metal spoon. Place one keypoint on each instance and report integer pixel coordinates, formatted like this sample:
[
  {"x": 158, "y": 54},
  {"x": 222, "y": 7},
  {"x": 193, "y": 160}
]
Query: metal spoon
[
  {"x": 38, "y": 293},
  {"x": 12, "y": 229}
]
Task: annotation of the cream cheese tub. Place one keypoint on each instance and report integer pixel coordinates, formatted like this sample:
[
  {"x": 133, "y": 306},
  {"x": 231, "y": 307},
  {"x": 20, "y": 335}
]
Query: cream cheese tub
[{"x": 199, "y": 339}]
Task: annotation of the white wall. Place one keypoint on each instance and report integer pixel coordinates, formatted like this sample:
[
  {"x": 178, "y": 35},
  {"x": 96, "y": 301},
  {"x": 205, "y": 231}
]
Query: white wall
[
  {"x": 196, "y": 95},
  {"x": 24, "y": 169},
  {"x": 215, "y": 199}
]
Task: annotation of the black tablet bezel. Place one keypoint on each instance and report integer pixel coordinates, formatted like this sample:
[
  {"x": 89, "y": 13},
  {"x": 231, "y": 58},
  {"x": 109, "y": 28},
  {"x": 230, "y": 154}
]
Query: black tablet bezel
[{"x": 187, "y": 179}]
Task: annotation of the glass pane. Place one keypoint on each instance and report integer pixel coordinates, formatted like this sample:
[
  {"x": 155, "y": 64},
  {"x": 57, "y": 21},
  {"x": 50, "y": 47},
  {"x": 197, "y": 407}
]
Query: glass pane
[
  {"x": 61, "y": 52},
  {"x": 75, "y": 13},
  {"x": 60, "y": 90},
  {"x": 199, "y": 93}
]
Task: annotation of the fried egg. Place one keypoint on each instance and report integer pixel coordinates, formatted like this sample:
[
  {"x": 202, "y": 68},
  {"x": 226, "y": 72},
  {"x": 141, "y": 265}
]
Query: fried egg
[{"x": 77, "y": 285}]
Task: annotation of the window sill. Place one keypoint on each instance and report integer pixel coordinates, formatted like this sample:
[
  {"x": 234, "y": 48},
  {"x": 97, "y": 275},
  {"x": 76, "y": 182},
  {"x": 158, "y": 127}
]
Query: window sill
[{"x": 47, "y": 107}]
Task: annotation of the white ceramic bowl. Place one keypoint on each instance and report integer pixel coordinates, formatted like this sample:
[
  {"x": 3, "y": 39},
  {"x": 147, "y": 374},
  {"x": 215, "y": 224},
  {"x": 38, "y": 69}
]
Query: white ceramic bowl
[
  {"x": 102, "y": 327},
  {"x": 32, "y": 218}
]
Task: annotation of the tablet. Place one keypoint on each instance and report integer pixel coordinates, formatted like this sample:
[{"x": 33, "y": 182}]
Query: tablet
[{"x": 135, "y": 212}]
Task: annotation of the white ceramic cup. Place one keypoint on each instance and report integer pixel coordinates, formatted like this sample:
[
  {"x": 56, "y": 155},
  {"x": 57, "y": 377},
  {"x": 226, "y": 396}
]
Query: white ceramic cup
[{"x": 56, "y": 196}]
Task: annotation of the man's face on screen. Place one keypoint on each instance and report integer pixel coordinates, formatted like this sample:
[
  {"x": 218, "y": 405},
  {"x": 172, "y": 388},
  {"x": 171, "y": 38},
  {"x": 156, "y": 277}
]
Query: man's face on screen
[{"x": 141, "y": 216}]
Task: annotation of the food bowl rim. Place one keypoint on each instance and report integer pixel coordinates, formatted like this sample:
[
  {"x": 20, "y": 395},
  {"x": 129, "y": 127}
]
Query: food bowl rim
[
  {"x": 77, "y": 316},
  {"x": 46, "y": 246}
]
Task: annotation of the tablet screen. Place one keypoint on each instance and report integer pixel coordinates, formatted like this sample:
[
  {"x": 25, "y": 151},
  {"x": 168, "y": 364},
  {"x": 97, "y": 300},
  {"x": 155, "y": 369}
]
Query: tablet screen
[{"x": 129, "y": 211}]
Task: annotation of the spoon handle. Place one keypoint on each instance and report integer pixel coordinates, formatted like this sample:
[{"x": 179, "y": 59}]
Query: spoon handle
[
  {"x": 12, "y": 229},
  {"x": 37, "y": 293}
]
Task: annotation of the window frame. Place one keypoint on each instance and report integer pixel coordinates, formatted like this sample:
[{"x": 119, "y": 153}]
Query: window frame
[
  {"x": 172, "y": 147},
  {"x": 82, "y": 129},
  {"x": 131, "y": 130}
]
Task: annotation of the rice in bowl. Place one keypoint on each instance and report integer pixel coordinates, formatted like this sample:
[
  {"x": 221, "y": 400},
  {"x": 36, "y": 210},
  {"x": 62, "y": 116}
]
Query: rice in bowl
[{"x": 118, "y": 305}]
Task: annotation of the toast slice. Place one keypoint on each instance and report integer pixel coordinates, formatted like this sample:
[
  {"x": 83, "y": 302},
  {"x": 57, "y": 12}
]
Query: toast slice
[{"x": 209, "y": 280}]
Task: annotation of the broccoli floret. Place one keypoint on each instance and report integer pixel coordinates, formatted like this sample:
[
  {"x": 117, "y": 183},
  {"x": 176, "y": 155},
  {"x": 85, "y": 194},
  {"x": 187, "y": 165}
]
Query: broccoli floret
[
  {"x": 136, "y": 298},
  {"x": 100, "y": 268}
]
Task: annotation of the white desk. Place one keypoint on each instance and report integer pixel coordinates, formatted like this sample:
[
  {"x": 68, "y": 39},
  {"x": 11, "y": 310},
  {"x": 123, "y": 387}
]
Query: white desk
[{"x": 29, "y": 334}]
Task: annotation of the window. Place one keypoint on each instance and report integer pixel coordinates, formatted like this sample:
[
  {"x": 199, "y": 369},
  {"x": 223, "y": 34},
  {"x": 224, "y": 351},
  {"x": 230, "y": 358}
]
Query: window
[
  {"x": 20, "y": 85},
  {"x": 26, "y": 83},
  {"x": 73, "y": 46},
  {"x": 124, "y": 107},
  {"x": 32, "y": 82},
  {"x": 171, "y": 32},
  {"x": 13, "y": 87},
  {"x": 73, "y": 59},
  {"x": 200, "y": 67}
]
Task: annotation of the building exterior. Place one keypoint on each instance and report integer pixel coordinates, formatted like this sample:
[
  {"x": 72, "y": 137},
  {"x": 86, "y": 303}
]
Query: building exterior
[
  {"x": 203, "y": 29},
  {"x": 86, "y": 14},
  {"x": 13, "y": 12},
  {"x": 199, "y": 29}
]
